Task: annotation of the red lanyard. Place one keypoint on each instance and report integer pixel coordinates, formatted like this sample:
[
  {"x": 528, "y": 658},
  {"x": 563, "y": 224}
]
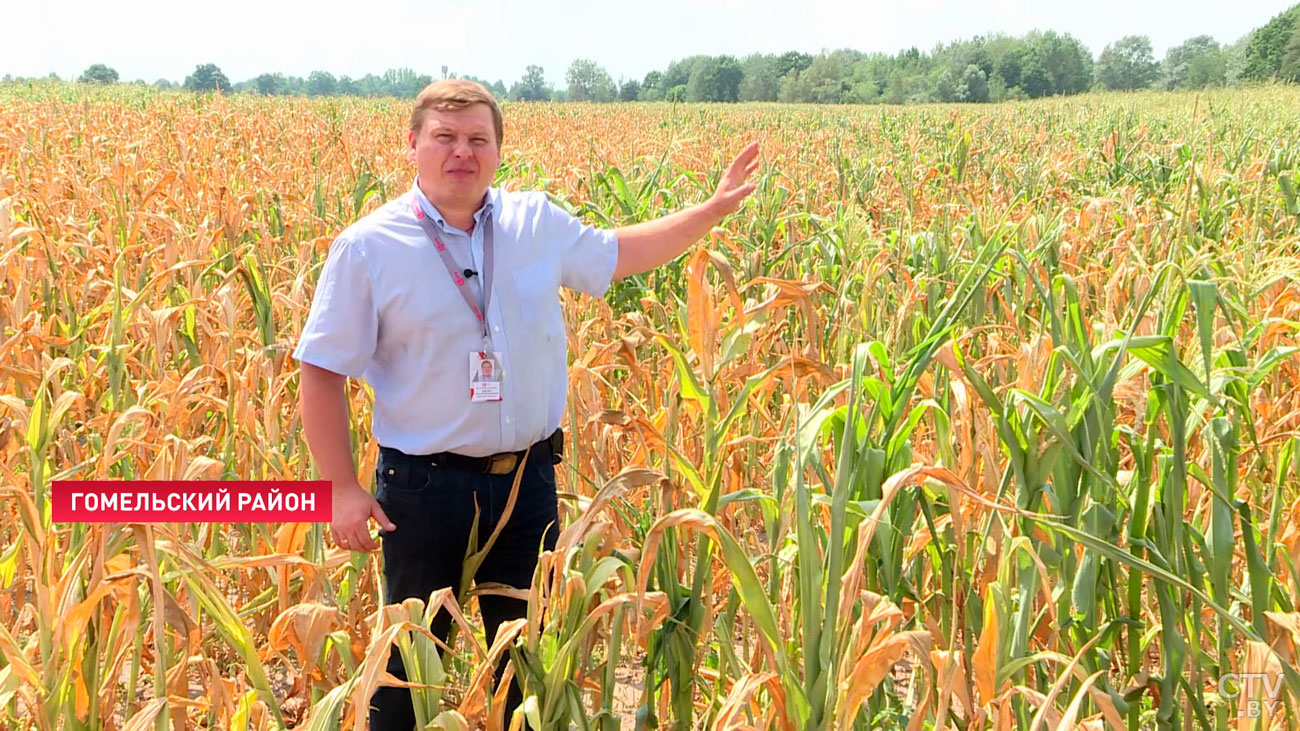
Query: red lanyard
[{"x": 431, "y": 230}]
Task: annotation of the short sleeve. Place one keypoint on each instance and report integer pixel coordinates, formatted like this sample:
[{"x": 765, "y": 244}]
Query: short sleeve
[
  {"x": 342, "y": 328},
  {"x": 588, "y": 254}
]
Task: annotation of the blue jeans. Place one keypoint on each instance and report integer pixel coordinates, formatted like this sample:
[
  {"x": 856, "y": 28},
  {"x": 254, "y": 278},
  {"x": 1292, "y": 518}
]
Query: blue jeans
[{"x": 433, "y": 508}]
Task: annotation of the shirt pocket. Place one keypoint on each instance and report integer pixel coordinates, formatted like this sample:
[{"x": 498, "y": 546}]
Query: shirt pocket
[{"x": 537, "y": 289}]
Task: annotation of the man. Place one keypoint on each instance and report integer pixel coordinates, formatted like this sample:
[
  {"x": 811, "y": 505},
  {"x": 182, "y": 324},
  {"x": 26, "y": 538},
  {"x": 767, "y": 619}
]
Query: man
[
  {"x": 485, "y": 369},
  {"x": 456, "y": 267}
]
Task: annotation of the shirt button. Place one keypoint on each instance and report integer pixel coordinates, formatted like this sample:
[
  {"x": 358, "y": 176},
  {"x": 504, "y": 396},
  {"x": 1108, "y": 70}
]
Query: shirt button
[
  {"x": 496, "y": 328},
  {"x": 507, "y": 419}
]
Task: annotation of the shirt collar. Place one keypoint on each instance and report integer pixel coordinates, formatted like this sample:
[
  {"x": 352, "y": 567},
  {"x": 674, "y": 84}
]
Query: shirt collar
[{"x": 489, "y": 205}]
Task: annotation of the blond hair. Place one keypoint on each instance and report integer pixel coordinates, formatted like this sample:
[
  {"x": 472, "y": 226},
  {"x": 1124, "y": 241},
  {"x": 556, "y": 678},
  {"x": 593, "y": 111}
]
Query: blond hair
[{"x": 452, "y": 94}]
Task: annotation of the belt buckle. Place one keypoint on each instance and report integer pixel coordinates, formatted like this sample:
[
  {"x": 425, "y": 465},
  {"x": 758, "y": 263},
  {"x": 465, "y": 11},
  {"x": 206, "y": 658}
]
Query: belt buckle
[{"x": 502, "y": 464}]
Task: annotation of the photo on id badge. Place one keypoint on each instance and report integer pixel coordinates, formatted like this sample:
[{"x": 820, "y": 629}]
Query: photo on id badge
[{"x": 484, "y": 376}]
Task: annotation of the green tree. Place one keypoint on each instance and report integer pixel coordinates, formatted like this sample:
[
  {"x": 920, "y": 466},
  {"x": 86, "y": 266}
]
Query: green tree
[
  {"x": 1290, "y": 70},
  {"x": 630, "y": 91},
  {"x": 906, "y": 87},
  {"x": 269, "y": 84},
  {"x": 98, "y": 74},
  {"x": 496, "y": 88},
  {"x": 795, "y": 88},
  {"x": 1127, "y": 64},
  {"x": 678, "y": 73},
  {"x": 652, "y": 87},
  {"x": 1065, "y": 61},
  {"x": 417, "y": 85},
  {"x": 1035, "y": 82},
  {"x": 831, "y": 78},
  {"x": 792, "y": 61},
  {"x": 827, "y": 78},
  {"x": 589, "y": 82},
  {"x": 1268, "y": 46},
  {"x": 1196, "y": 63},
  {"x": 532, "y": 87},
  {"x": 403, "y": 82},
  {"x": 947, "y": 88},
  {"x": 347, "y": 86},
  {"x": 976, "y": 83},
  {"x": 715, "y": 80},
  {"x": 863, "y": 84},
  {"x": 321, "y": 83},
  {"x": 760, "y": 82},
  {"x": 207, "y": 77},
  {"x": 1234, "y": 60},
  {"x": 960, "y": 54},
  {"x": 1010, "y": 64}
]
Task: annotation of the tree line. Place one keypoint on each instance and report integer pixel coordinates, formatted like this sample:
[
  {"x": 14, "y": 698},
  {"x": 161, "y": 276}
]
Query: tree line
[{"x": 982, "y": 69}]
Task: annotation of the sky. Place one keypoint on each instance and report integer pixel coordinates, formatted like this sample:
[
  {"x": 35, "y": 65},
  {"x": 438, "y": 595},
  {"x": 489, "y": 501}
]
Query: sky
[{"x": 497, "y": 39}]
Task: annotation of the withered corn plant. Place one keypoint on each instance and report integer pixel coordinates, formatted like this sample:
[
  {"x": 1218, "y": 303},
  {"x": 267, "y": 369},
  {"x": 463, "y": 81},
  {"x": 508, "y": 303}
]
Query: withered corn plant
[{"x": 969, "y": 418}]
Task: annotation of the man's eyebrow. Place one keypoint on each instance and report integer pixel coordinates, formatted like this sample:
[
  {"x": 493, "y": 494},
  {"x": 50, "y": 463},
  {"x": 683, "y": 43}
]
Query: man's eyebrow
[{"x": 476, "y": 132}]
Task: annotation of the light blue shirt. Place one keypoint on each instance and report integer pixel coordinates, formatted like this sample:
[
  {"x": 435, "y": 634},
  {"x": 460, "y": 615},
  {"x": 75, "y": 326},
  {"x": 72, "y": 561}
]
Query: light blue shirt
[{"x": 387, "y": 310}]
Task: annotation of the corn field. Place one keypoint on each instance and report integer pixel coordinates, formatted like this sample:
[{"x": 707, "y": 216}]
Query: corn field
[{"x": 971, "y": 417}]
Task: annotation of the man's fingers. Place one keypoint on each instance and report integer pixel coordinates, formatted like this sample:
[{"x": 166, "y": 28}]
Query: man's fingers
[
  {"x": 745, "y": 157},
  {"x": 736, "y": 167},
  {"x": 352, "y": 539},
  {"x": 363, "y": 541},
  {"x": 741, "y": 167},
  {"x": 359, "y": 539},
  {"x": 735, "y": 196},
  {"x": 380, "y": 517}
]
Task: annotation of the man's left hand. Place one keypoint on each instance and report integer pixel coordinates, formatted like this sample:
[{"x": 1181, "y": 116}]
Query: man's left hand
[{"x": 733, "y": 189}]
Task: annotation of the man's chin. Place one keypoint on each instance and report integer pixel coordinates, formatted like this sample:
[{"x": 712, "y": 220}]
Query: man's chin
[{"x": 459, "y": 192}]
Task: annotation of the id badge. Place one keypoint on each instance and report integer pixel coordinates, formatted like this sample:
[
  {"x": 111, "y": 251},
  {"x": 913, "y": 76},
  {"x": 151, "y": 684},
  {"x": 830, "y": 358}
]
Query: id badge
[{"x": 484, "y": 376}]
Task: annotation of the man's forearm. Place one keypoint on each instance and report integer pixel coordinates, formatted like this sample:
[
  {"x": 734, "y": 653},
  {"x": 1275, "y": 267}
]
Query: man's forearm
[
  {"x": 644, "y": 246},
  {"x": 323, "y": 397}
]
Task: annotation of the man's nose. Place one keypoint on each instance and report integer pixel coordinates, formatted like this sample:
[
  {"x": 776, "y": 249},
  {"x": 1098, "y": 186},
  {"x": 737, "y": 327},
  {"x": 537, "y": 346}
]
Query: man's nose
[{"x": 462, "y": 149}]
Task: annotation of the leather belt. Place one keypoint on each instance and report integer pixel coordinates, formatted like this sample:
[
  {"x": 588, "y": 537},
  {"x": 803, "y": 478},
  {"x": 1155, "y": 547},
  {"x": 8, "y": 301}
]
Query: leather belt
[{"x": 502, "y": 463}]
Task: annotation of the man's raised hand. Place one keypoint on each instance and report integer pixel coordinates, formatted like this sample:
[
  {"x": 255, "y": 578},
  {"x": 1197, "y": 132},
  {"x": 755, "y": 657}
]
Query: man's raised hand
[{"x": 733, "y": 189}]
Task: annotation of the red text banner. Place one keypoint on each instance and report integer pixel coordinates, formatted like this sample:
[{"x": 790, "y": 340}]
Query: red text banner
[{"x": 175, "y": 501}]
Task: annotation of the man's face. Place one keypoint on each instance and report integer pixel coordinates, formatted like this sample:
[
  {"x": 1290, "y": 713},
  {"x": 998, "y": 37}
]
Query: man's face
[
  {"x": 456, "y": 156},
  {"x": 487, "y": 369}
]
